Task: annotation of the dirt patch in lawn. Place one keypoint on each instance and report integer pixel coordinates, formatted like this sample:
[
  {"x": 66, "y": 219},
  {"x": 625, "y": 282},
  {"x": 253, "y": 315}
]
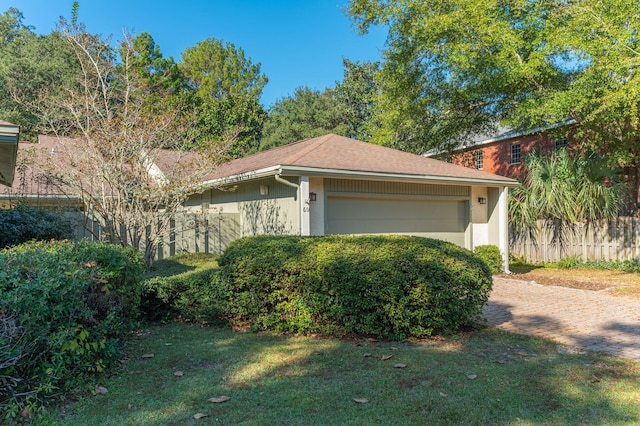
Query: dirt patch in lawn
[{"x": 614, "y": 282}]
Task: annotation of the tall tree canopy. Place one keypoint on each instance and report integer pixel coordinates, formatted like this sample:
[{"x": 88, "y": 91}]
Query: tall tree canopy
[
  {"x": 345, "y": 109},
  {"x": 357, "y": 93},
  {"x": 227, "y": 89},
  {"x": 306, "y": 114},
  {"x": 456, "y": 67},
  {"x": 29, "y": 66}
]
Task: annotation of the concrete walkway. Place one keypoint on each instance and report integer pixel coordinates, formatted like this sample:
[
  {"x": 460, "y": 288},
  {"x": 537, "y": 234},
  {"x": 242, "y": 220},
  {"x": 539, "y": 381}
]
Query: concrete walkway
[{"x": 579, "y": 318}]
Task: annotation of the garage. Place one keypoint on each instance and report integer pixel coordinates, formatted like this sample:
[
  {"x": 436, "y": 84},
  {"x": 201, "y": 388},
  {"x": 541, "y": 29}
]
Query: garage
[
  {"x": 442, "y": 219},
  {"x": 332, "y": 184}
]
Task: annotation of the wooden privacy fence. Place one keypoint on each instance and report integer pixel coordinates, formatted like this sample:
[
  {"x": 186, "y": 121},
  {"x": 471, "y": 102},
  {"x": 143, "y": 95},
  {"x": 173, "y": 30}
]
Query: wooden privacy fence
[
  {"x": 617, "y": 239},
  {"x": 189, "y": 232}
]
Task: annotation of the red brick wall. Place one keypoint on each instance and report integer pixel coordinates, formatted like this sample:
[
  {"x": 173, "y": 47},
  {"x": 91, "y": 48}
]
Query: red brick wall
[{"x": 497, "y": 155}]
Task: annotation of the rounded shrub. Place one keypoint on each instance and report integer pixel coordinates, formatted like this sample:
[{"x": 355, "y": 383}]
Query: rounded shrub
[
  {"x": 390, "y": 287},
  {"x": 491, "y": 256},
  {"x": 24, "y": 223},
  {"x": 64, "y": 308}
]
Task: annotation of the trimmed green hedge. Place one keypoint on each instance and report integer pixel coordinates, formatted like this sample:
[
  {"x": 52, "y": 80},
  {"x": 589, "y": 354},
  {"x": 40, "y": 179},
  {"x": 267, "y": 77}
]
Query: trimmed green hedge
[
  {"x": 64, "y": 308},
  {"x": 385, "y": 286},
  {"x": 181, "y": 287},
  {"x": 492, "y": 257},
  {"x": 24, "y": 223}
]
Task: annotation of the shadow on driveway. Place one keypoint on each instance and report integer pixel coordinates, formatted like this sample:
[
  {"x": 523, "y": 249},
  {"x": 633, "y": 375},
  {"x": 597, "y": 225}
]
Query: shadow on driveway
[{"x": 580, "y": 318}]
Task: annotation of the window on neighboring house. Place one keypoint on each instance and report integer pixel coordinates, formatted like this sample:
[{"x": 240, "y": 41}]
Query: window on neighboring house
[
  {"x": 479, "y": 160},
  {"x": 515, "y": 153},
  {"x": 561, "y": 143}
]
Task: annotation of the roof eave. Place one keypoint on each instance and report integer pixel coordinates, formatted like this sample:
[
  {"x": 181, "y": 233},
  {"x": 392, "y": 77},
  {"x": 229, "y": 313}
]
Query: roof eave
[
  {"x": 239, "y": 178},
  {"x": 353, "y": 174},
  {"x": 503, "y": 137},
  {"x": 383, "y": 176}
]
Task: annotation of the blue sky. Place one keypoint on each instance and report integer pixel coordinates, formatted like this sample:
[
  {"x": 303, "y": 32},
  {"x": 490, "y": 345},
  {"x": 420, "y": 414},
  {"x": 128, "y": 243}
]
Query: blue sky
[{"x": 297, "y": 42}]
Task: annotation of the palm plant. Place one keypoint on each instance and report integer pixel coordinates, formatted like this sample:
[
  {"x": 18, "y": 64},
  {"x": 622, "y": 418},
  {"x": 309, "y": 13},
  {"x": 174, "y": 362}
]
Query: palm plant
[{"x": 566, "y": 193}]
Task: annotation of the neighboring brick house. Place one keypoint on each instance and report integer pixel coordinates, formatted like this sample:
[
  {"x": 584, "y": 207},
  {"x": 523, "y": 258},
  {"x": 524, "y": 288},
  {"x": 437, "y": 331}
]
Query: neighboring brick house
[{"x": 505, "y": 152}]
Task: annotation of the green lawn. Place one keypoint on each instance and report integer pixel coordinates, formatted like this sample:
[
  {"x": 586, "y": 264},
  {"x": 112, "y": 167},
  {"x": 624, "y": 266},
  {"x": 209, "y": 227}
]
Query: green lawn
[{"x": 482, "y": 377}]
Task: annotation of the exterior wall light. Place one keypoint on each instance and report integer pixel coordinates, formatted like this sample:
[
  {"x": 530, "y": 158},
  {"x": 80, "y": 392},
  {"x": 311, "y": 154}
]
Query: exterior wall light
[
  {"x": 264, "y": 190},
  {"x": 312, "y": 196},
  {"x": 482, "y": 200}
]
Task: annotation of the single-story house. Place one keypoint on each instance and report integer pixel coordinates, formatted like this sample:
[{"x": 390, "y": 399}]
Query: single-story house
[
  {"x": 336, "y": 185},
  {"x": 9, "y": 135},
  {"x": 325, "y": 185}
]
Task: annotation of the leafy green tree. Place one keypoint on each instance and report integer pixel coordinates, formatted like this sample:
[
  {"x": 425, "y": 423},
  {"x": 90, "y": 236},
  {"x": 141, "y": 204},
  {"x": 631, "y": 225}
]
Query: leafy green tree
[
  {"x": 564, "y": 191},
  {"x": 344, "y": 110},
  {"x": 306, "y": 114},
  {"x": 456, "y": 67},
  {"x": 357, "y": 94},
  {"x": 216, "y": 69},
  {"x": 29, "y": 66},
  {"x": 157, "y": 73},
  {"x": 224, "y": 89}
]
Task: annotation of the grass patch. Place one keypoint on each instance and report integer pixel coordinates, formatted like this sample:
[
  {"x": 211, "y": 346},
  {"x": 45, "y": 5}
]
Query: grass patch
[
  {"x": 482, "y": 377},
  {"x": 179, "y": 264}
]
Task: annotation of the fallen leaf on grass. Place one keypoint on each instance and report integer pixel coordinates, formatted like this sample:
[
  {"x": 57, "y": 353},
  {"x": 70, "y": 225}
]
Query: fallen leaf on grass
[
  {"x": 386, "y": 357},
  {"x": 147, "y": 356},
  {"x": 522, "y": 353},
  {"x": 400, "y": 365},
  {"x": 101, "y": 390},
  {"x": 472, "y": 376},
  {"x": 200, "y": 415},
  {"x": 178, "y": 373},
  {"x": 442, "y": 394},
  {"x": 367, "y": 355},
  {"x": 26, "y": 412},
  {"x": 218, "y": 400},
  {"x": 361, "y": 400}
]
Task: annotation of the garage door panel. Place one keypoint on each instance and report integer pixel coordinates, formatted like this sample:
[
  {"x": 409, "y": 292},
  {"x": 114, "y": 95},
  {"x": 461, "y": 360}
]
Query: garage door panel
[{"x": 445, "y": 220}]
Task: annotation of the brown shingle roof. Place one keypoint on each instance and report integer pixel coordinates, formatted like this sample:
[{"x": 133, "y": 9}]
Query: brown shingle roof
[{"x": 333, "y": 152}]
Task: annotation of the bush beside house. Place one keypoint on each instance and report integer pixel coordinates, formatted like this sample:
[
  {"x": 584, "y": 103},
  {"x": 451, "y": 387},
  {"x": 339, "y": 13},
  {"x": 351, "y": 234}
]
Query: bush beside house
[
  {"x": 24, "y": 223},
  {"x": 385, "y": 286},
  {"x": 491, "y": 255},
  {"x": 64, "y": 310}
]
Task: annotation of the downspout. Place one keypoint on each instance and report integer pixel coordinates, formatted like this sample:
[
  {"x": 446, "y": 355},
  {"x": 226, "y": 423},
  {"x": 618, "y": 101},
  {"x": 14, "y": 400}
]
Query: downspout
[
  {"x": 286, "y": 182},
  {"x": 298, "y": 194}
]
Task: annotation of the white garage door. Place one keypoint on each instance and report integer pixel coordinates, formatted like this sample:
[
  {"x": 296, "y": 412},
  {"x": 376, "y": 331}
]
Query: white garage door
[{"x": 444, "y": 220}]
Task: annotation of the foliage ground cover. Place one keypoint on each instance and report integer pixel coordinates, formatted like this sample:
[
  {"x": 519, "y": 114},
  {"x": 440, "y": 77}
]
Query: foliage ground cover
[
  {"x": 64, "y": 309},
  {"x": 482, "y": 377}
]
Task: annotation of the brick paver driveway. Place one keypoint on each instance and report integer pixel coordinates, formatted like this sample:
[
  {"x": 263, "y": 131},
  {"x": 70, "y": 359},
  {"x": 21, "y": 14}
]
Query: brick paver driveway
[{"x": 580, "y": 318}]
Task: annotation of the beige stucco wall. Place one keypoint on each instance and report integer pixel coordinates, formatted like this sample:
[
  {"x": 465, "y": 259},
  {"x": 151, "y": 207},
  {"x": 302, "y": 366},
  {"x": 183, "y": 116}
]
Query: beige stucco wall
[
  {"x": 479, "y": 217},
  {"x": 264, "y": 206}
]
